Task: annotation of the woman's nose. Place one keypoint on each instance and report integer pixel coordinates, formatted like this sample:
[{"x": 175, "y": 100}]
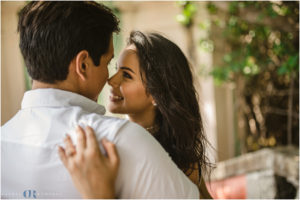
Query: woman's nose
[{"x": 115, "y": 80}]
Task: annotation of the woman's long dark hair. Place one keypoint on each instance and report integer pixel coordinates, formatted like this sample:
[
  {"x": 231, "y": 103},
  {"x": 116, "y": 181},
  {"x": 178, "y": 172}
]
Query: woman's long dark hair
[{"x": 168, "y": 78}]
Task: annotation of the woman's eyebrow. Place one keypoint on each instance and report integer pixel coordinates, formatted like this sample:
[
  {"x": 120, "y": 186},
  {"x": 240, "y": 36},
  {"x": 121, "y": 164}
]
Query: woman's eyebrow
[{"x": 127, "y": 68}]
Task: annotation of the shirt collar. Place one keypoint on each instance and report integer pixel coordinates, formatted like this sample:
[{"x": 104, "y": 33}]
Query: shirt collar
[{"x": 51, "y": 97}]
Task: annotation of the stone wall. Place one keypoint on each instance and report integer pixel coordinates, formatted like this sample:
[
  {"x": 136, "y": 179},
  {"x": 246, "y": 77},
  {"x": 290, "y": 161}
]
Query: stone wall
[{"x": 267, "y": 173}]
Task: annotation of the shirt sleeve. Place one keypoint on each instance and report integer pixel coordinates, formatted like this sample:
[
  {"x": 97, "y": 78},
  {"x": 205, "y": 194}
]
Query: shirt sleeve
[{"x": 146, "y": 170}]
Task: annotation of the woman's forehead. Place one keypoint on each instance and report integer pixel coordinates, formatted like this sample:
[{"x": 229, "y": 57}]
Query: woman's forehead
[
  {"x": 129, "y": 58},
  {"x": 131, "y": 47},
  {"x": 128, "y": 53}
]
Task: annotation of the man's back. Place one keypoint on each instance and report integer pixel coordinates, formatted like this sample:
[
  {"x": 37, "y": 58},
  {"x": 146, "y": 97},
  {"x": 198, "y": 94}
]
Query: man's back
[{"x": 31, "y": 166}]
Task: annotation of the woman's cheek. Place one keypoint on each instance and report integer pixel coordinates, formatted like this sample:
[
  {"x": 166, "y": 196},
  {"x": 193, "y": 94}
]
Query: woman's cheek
[{"x": 134, "y": 93}]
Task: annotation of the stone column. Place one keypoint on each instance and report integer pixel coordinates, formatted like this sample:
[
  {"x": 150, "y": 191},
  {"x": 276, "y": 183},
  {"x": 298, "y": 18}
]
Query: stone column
[{"x": 12, "y": 65}]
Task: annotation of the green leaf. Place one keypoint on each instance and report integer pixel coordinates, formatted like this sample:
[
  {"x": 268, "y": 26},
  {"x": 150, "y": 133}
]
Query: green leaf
[
  {"x": 282, "y": 70},
  {"x": 191, "y": 8},
  {"x": 206, "y": 45},
  {"x": 292, "y": 64},
  {"x": 205, "y": 25},
  {"x": 233, "y": 21},
  {"x": 227, "y": 58},
  {"x": 293, "y": 60},
  {"x": 233, "y": 7},
  {"x": 242, "y": 5},
  {"x": 260, "y": 17},
  {"x": 271, "y": 12},
  {"x": 212, "y": 9},
  {"x": 182, "y": 19},
  {"x": 220, "y": 75}
]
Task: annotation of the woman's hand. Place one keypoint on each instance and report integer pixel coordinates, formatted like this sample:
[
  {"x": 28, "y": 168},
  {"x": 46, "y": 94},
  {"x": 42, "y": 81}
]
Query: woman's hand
[{"x": 92, "y": 173}]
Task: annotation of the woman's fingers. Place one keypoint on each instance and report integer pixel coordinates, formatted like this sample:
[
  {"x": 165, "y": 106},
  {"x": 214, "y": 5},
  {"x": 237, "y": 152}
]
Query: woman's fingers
[
  {"x": 91, "y": 139},
  {"x": 86, "y": 163},
  {"x": 62, "y": 156},
  {"x": 81, "y": 139},
  {"x": 112, "y": 153},
  {"x": 69, "y": 147}
]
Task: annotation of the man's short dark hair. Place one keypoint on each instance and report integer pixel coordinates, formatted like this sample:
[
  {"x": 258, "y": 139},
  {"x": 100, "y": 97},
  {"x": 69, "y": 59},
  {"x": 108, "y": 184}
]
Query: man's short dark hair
[{"x": 53, "y": 33}]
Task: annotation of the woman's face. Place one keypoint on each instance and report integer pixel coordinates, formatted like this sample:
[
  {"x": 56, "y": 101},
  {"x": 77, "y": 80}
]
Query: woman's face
[{"x": 128, "y": 94}]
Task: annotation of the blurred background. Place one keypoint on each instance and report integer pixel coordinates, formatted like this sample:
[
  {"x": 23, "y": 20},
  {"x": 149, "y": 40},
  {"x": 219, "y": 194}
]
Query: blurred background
[{"x": 245, "y": 59}]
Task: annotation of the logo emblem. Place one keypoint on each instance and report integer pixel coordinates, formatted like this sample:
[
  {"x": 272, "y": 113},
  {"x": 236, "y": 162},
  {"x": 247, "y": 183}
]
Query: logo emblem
[{"x": 29, "y": 194}]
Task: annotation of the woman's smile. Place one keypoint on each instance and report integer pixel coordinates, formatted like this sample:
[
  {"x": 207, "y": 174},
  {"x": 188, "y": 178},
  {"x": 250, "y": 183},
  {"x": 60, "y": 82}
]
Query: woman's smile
[{"x": 115, "y": 98}]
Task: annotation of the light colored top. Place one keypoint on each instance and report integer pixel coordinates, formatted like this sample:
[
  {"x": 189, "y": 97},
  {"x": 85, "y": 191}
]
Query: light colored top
[{"x": 31, "y": 167}]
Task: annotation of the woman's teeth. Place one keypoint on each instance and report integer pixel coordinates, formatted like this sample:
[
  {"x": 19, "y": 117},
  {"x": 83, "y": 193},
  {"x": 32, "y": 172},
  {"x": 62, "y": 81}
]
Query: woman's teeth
[{"x": 117, "y": 98}]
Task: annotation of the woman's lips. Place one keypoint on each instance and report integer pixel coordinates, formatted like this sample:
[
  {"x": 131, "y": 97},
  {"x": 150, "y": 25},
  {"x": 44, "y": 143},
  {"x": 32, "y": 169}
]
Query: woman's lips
[{"x": 115, "y": 98}]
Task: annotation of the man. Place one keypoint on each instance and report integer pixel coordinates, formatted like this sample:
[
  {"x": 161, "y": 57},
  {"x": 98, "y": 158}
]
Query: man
[{"x": 67, "y": 47}]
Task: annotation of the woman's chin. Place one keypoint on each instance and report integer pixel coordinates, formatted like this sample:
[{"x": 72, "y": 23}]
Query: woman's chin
[
  {"x": 113, "y": 109},
  {"x": 116, "y": 108}
]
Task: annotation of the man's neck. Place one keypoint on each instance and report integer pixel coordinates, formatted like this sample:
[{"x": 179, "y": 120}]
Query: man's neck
[{"x": 62, "y": 85}]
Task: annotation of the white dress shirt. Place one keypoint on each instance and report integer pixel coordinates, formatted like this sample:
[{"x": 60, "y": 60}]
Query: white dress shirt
[{"x": 31, "y": 167}]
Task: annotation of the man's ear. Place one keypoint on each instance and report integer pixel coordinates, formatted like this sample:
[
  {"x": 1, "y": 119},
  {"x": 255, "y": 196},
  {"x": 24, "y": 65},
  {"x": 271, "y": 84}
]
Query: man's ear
[{"x": 81, "y": 64}]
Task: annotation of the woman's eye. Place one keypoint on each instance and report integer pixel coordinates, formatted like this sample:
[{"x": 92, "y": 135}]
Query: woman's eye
[{"x": 126, "y": 75}]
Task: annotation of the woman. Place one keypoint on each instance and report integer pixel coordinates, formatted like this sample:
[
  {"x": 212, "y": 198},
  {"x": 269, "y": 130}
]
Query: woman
[{"x": 154, "y": 87}]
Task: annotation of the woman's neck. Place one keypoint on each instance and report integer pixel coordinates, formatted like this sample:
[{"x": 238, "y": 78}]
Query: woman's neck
[{"x": 145, "y": 119}]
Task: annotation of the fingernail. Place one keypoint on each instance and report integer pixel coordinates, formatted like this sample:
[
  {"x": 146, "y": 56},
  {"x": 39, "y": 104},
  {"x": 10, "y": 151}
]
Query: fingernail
[
  {"x": 67, "y": 136},
  {"x": 58, "y": 147},
  {"x": 86, "y": 128}
]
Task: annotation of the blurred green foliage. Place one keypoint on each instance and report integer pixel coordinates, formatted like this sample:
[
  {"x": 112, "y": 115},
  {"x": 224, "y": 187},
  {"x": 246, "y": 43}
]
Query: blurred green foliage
[
  {"x": 262, "y": 49},
  {"x": 261, "y": 58},
  {"x": 188, "y": 13},
  {"x": 261, "y": 44}
]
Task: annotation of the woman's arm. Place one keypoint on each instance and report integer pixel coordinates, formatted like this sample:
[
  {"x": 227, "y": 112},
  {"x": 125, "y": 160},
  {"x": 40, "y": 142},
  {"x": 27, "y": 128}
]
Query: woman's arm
[
  {"x": 194, "y": 177},
  {"x": 92, "y": 173}
]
